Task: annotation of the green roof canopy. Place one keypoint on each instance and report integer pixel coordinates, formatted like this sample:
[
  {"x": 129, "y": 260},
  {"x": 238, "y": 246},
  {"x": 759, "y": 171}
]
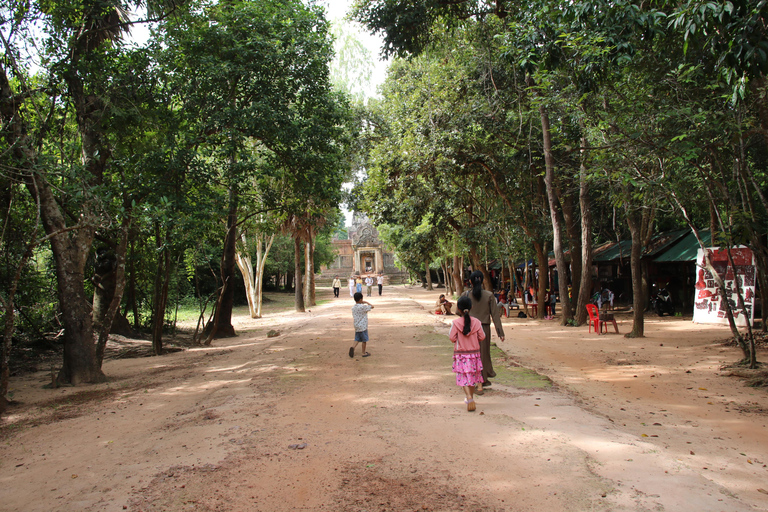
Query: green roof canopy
[
  {"x": 687, "y": 249},
  {"x": 659, "y": 244},
  {"x": 614, "y": 251}
]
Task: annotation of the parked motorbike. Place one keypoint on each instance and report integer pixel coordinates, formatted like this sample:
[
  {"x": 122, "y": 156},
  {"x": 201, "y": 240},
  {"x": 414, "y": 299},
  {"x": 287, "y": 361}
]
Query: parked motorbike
[{"x": 662, "y": 303}]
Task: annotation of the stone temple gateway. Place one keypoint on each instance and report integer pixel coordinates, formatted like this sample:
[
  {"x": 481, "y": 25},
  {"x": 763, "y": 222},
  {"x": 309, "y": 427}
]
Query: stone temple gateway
[{"x": 363, "y": 253}]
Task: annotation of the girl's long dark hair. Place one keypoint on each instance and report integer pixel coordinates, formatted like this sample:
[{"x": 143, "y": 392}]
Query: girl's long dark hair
[
  {"x": 476, "y": 280},
  {"x": 464, "y": 305}
]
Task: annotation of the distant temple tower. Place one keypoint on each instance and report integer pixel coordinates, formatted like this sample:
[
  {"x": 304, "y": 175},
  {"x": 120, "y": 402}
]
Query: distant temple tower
[
  {"x": 368, "y": 249},
  {"x": 363, "y": 252}
]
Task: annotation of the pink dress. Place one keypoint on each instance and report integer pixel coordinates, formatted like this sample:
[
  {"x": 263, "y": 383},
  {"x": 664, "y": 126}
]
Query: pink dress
[{"x": 467, "y": 363}]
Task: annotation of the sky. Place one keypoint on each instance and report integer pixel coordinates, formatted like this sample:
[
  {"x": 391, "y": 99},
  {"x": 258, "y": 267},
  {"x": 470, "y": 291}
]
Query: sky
[{"x": 336, "y": 10}]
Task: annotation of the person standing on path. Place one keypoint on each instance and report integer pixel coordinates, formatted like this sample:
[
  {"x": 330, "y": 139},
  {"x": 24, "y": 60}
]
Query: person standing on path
[
  {"x": 552, "y": 304},
  {"x": 336, "y": 286},
  {"x": 380, "y": 282},
  {"x": 360, "y": 318},
  {"x": 351, "y": 284},
  {"x": 467, "y": 334},
  {"x": 484, "y": 308},
  {"x": 369, "y": 285},
  {"x": 359, "y": 284}
]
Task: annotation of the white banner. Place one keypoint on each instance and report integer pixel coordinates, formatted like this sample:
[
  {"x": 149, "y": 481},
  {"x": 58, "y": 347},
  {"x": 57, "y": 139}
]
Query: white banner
[{"x": 708, "y": 303}]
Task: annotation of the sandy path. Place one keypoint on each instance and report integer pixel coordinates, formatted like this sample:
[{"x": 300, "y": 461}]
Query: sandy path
[{"x": 292, "y": 423}]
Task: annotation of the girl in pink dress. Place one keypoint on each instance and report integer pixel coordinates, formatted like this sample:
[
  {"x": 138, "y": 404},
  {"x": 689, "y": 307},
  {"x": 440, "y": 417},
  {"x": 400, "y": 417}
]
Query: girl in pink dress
[{"x": 467, "y": 333}]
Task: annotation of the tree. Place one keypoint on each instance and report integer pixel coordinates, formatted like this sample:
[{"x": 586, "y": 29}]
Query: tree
[
  {"x": 254, "y": 82},
  {"x": 79, "y": 44}
]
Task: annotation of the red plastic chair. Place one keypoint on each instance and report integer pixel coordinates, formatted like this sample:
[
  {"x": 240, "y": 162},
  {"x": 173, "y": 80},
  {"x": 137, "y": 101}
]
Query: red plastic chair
[{"x": 594, "y": 319}]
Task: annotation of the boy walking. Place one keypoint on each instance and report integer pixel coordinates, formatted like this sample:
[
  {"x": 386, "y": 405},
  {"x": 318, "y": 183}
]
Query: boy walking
[{"x": 360, "y": 318}]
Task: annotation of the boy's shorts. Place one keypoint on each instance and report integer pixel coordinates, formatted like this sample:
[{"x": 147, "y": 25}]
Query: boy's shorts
[{"x": 361, "y": 336}]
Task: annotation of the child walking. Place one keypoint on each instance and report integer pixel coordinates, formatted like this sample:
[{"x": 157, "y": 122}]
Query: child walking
[
  {"x": 360, "y": 318},
  {"x": 467, "y": 333}
]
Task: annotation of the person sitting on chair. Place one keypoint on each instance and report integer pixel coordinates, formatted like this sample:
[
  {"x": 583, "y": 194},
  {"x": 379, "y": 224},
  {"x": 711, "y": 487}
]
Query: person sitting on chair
[{"x": 501, "y": 299}]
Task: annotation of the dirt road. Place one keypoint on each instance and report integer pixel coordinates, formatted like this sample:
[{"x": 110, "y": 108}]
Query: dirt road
[{"x": 293, "y": 423}]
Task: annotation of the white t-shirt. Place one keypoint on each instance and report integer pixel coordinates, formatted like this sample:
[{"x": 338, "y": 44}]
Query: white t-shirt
[
  {"x": 360, "y": 316},
  {"x": 380, "y": 280}
]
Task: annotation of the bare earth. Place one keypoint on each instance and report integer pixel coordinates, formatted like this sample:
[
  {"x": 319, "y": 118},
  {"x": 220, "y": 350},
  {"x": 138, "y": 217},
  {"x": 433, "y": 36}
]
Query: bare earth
[{"x": 292, "y": 423}]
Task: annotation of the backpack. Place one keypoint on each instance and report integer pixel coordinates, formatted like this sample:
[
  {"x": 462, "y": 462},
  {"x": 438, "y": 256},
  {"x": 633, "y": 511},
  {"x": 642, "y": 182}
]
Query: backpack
[{"x": 522, "y": 315}]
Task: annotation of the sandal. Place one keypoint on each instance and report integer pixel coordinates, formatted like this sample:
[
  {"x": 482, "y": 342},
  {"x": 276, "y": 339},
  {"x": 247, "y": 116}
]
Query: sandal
[
  {"x": 470, "y": 405},
  {"x": 351, "y": 351},
  {"x": 366, "y": 354}
]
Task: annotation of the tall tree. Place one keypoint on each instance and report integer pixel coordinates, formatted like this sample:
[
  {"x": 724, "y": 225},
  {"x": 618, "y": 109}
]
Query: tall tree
[{"x": 79, "y": 45}]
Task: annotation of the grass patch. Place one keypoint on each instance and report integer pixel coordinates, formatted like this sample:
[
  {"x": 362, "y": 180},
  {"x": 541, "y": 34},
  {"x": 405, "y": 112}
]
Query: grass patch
[
  {"x": 510, "y": 374},
  {"x": 441, "y": 341},
  {"x": 273, "y": 302}
]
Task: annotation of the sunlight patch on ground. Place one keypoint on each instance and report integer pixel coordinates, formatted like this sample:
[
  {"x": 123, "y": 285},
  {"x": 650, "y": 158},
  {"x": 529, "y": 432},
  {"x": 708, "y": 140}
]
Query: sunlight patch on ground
[
  {"x": 206, "y": 386},
  {"x": 213, "y": 348},
  {"x": 230, "y": 368}
]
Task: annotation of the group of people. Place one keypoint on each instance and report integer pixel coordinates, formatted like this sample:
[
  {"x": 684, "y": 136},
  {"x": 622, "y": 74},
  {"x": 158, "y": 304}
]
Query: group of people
[
  {"x": 356, "y": 284},
  {"x": 470, "y": 333},
  {"x": 550, "y": 302},
  {"x": 507, "y": 302}
]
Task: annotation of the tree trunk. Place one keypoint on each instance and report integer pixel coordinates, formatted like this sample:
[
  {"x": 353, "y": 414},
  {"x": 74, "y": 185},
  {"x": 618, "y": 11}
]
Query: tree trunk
[
  {"x": 80, "y": 362},
  {"x": 108, "y": 317},
  {"x": 549, "y": 181},
  {"x": 447, "y": 276},
  {"x": 576, "y": 241},
  {"x": 162, "y": 278},
  {"x": 298, "y": 293},
  {"x": 477, "y": 264},
  {"x": 309, "y": 270},
  {"x": 526, "y": 286},
  {"x": 103, "y": 285},
  {"x": 428, "y": 275},
  {"x": 70, "y": 245},
  {"x": 541, "y": 256},
  {"x": 635, "y": 227},
  {"x": 312, "y": 290},
  {"x": 261, "y": 261},
  {"x": 131, "y": 299},
  {"x": 456, "y": 271},
  {"x": 584, "y": 291},
  {"x": 245, "y": 264},
  {"x": 224, "y": 327}
]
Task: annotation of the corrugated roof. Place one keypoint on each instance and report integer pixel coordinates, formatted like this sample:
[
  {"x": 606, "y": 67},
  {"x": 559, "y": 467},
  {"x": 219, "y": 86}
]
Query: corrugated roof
[
  {"x": 614, "y": 251},
  {"x": 622, "y": 250},
  {"x": 664, "y": 241},
  {"x": 686, "y": 249}
]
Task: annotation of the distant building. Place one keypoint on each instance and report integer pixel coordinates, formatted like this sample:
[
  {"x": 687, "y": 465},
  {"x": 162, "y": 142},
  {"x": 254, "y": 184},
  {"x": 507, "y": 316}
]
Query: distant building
[{"x": 362, "y": 253}]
